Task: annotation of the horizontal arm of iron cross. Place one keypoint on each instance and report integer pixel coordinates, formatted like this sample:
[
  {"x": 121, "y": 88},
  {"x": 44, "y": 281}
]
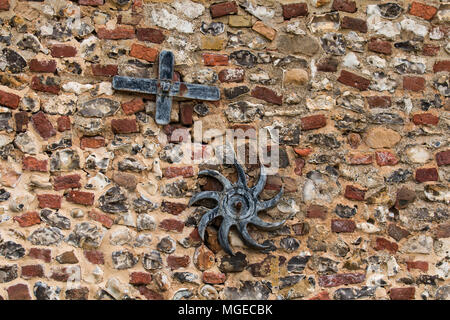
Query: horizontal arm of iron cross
[{"x": 165, "y": 88}]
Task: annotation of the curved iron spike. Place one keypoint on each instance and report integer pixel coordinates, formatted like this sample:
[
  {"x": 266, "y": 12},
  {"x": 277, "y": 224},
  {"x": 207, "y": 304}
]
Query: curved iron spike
[
  {"x": 204, "y": 195},
  {"x": 259, "y": 186},
  {"x": 215, "y": 174},
  {"x": 205, "y": 220},
  {"x": 263, "y": 205},
  {"x": 223, "y": 236},
  {"x": 242, "y": 227},
  {"x": 266, "y": 225},
  {"x": 242, "y": 180}
]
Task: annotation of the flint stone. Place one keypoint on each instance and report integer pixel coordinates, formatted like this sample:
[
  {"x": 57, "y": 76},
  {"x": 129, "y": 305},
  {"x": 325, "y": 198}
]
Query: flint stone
[
  {"x": 123, "y": 259},
  {"x": 152, "y": 260},
  {"x": 46, "y": 236},
  {"x": 85, "y": 235},
  {"x": 8, "y": 273},
  {"x": 113, "y": 201},
  {"x": 98, "y": 108},
  {"x": 55, "y": 219},
  {"x": 11, "y": 250}
]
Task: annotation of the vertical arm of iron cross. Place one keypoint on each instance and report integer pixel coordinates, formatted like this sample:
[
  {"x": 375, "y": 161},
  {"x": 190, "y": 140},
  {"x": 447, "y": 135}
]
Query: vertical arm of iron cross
[{"x": 163, "y": 99}]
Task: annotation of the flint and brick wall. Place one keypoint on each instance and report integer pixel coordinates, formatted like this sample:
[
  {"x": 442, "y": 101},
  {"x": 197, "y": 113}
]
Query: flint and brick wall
[{"x": 93, "y": 195}]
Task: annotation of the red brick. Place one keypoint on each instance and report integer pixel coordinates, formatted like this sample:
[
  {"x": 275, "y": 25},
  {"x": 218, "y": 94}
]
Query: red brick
[
  {"x": 443, "y": 158},
  {"x": 342, "y": 225},
  {"x": 313, "y": 122},
  {"x": 60, "y": 274},
  {"x": 385, "y": 158},
  {"x": 344, "y": 5},
  {"x": 430, "y": 50},
  {"x": 267, "y": 95},
  {"x": 353, "y": 80},
  {"x": 133, "y": 106},
  {"x": 18, "y": 292},
  {"x": 186, "y": 112},
  {"x": 328, "y": 64},
  {"x": 63, "y": 123},
  {"x": 138, "y": 278},
  {"x": 442, "y": 231},
  {"x": 223, "y": 9},
  {"x": 81, "y": 197},
  {"x": 32, "y": 271},
  {"x": 92, "y": 142},
  {"x": 93, "y": 3},
  {"x": 33, "y": 164},
  {"x": 21, "y": 120},
  {"x": 104, "y": 70},
  {"x": 339, "y": 279},
  {"x": 425, "y": 118},
  {"x": 211, "y": 277},
  {"x": 303, "y": 152},
  {"x": 293, "y": 10},
  {"x": 48, "y": 66},
  {"x": 422, "y": 10},
  {"x": 213, "y": 59},
  {"x": 194, "y": 236},
  {"x": 94, "y": 256},
  {"x": 176, "y": 133},
  {"x": 380, "y": 46},
  {"x": 323, "y": 295},
  {"x": 150, "y": 34},
  {"x": 4, "y": 5},
  {"x": 177, "y": 262},
  {"x": 396, "y": 232},
  {"x": 149, "y": 294},
  {"x": 443, "y": 65},
  {"x": 105, "y": 220},
  {"x": 354, "y": 24},
  {"x": 63, "y": 51},
  {"x": 66, "y": 182},
  {"x": 407, "y": 293},
  {"x": 9, "y": 99},
  {"x": 383, "y": 244},
  {"x": 45, "y": 84},
  {"x": 28, "y": 219},
  {"x": 172, "y": 225},
  {"x": 172, "y": 172},
  {"x": 120, "y": 32},
  {"x": 81, "y": 293},
  {"x": 299, "y": 165},
  {"x": 143, "y": 52},
  {"x": 174, "y": 208},
  {"x": 52, "y": 201},
  {"x": 315, "y": 211},
  {"x": 379, "y": 101},
  {"x": 41, "y": 254},
  {"x": 421, "y": 265},
  {"x": 412, "y": 83},
  {"x": 124, "y": 126},
  {"x": 42, "y": 125},
  {"x": 353, "y": 193},
  {"x": 231, "y": 75},
  {"x": 356, "y": 159},
  {"x": 426, "y": 174},
  {"x": 126, "y": 180}
]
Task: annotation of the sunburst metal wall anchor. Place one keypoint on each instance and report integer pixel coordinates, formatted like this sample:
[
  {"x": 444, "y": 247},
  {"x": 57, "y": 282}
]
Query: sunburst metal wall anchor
[
  {"x": 165, "y": 88},
  {"x": 238, "y": 205}
]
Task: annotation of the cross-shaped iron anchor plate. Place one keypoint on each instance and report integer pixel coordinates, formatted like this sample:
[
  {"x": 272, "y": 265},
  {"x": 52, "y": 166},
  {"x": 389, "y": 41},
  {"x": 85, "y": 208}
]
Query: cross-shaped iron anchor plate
[{"x": 165, "y": 88}]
